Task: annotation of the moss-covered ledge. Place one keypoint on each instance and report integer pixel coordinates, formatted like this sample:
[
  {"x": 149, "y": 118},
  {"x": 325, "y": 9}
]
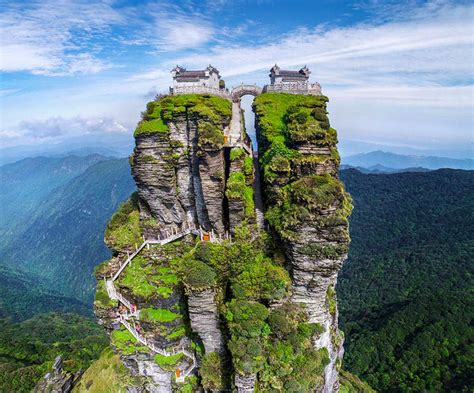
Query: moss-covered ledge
[{"x": 212, "y": 110}]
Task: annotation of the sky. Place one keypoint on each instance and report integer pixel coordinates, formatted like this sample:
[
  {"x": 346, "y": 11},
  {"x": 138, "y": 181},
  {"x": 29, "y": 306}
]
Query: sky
[{"x": 396, "y": 72}]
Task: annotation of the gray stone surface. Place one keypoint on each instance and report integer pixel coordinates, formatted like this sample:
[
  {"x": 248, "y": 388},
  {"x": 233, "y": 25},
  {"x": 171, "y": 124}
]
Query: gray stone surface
[
  {"x": 204, "y": 319},
  {"x": 245, "y": 383}
]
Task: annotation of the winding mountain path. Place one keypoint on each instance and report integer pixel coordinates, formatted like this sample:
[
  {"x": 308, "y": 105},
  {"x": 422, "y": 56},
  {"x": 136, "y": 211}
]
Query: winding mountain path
[{"x": 134, "y": 312}]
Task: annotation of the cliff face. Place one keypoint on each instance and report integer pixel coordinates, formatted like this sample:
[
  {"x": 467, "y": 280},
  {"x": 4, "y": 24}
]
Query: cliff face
[
  {"x": 307, "y": 207},
  {"x": 240, "y": 307},
  {"x": 178, "y": 163}
]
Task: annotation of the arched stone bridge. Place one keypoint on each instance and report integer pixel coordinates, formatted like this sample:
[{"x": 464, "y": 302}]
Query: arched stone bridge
[{"x": 242, "y": 90}]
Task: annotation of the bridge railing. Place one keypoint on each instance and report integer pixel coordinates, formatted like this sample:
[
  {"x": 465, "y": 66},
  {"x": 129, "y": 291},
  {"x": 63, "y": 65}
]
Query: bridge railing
[
  {"x": 199, "y": 90},
  {"x": 242, "y": 90},
  {"x": 295, "y": 88}
]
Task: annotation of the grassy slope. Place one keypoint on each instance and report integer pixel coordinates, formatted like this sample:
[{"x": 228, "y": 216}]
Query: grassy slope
[{"x": 105, "y": 375}]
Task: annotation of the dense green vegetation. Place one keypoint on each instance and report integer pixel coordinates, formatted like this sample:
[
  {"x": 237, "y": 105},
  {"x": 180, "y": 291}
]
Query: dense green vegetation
[
  {"x": 123, "y": 230},
  {"x": 211, "y": 371},
  {"x": 405, "y": 294},
  {"x": 349, "y": 383},
  {"x": 158, "y": 315},
  {"x": 124, "y": 341},
  {"x": 146, "y": 278},
  {"x": 23, "y": 295},
  {"x": 274, "y": 344},
  {"x": 168, "y": 362},
  {"x": 28, "y": 349},
  {"x": 239, "y": 189},
  {"x": 211, "y": 110},
  {"x": 294, "y": 193}
]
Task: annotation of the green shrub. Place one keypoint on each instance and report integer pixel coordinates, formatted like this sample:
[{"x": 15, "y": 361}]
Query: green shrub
[
  {"x": 249, "y": 202},
  {"x": 124, "y": 230},
  {"x": 235, "y": 186},
  {"x": 210, "y": 135},
  {"x": 236, "y": 153},
  {"x": 261, "y": 280},
  {"x": 248, "y": 166},
  {"x": 211, "y": 372},
  {"x": 197, "y": 275}
]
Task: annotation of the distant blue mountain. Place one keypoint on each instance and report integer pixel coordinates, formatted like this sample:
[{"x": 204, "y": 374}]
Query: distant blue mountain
[
  {"x": 399, "y": 161},
  {"x": 348, "y": 147},
  {"x": 383, "y": 169},
  {"x": 110, "y": 145},
  {"x": 53, "y": 218}
]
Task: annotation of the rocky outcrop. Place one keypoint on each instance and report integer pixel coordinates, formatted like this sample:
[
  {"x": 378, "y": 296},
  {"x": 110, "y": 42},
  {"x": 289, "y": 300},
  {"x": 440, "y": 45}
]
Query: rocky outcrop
[
  {"x": 308, "y": 209},
  {"x": 263, "y": 301},
  {"x": 245, "y": 383},
  {"x": 179, "y": 170},
  {"x": 204, "y": 319},
  {"x": 142, "y": 365},
  {"x": 57, "y": 380}
]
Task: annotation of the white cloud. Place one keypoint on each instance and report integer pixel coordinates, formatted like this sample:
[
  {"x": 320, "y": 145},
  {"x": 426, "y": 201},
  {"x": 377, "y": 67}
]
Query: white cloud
[
  {"x": 58, "y": 126},
  {"x": 177, "y": 32},
  {"x": 52, "y": 37},
  {"x": 58, "y": 129},
  {"x": 436, "y": 47},
  {"x": 406, "y": 79}
]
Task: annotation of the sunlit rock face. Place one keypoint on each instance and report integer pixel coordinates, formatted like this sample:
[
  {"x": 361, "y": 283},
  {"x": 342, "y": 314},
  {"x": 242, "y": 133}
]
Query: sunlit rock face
[{"x": 180, "y": 174}]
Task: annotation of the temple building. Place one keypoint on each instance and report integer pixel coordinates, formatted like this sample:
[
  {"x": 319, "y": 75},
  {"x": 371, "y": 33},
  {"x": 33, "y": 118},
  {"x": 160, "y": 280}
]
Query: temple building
[
  {"x": 195, "y": 81},
  {"x": 292, "y": 81}
]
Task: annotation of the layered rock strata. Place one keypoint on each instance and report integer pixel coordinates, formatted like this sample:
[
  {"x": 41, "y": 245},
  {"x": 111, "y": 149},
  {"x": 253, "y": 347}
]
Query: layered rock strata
[
  {"x": 204, "y": 319},
  {"x": 178, "y": 162}
]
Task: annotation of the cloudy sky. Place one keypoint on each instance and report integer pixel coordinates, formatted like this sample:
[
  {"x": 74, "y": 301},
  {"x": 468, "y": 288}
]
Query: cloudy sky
[{"x": 396, "y": 73}]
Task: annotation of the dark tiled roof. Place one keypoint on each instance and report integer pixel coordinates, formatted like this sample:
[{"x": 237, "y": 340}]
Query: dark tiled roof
[
  {"x": 292, "y": 74},
  {"x": 192, "y": 74},
  {"x": 187, "y": 79},
  {"x": 294, "y": 79}
]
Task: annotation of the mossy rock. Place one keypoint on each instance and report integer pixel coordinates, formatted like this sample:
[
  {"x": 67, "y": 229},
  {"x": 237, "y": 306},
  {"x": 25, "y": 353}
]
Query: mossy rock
[
  {"x": 102, "y": 299},
  {"x": 212, "y": 109},
  {"x": 123, "y": 230}
]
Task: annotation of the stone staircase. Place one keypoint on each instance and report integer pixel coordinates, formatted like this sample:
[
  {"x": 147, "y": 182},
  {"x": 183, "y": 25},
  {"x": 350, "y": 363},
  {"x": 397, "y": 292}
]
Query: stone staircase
[{"x": 134, "y": 313}]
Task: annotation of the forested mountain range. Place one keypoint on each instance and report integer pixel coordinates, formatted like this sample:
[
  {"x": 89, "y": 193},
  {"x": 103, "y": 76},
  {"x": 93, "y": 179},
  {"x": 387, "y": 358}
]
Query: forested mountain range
[
  {"x": 57, "y": 236},
  {"x": 401, "y": 161},
  {"x": 404, "y": 294}
]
